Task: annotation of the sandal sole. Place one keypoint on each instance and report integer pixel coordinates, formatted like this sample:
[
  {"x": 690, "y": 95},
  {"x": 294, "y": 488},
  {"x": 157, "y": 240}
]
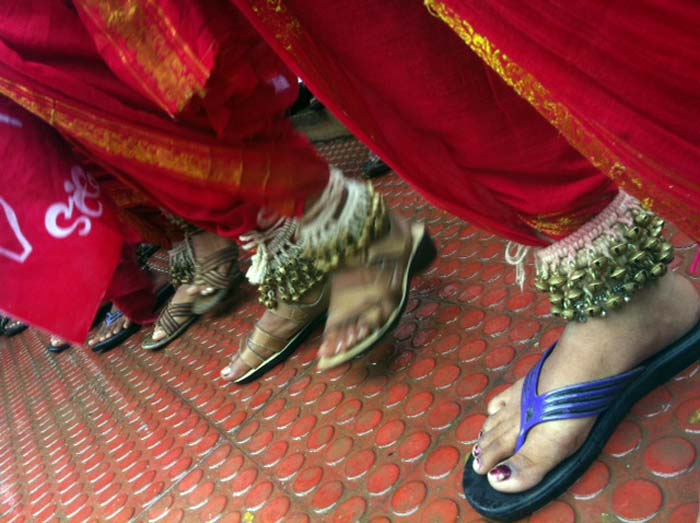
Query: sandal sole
[
  {"x": 511, "y": 507},
  {"x": 116, "y": 340},
  {"x": 168, "y": 340},
  {"x": 282, "y": 355},
  {"x": 422, "y": 256}
]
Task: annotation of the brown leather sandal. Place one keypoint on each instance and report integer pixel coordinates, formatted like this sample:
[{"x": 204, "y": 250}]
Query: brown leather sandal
[
  {"x": 223, "y": 285},
  {"x": 354, "y": 297},
  {"x": 172, "y": 328},
  {"x": 263, "y": 350}
]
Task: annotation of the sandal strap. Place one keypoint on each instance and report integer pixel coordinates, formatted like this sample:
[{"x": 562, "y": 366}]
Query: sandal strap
[
  {"x": 259, "y": 346},
  {"x": 582, "y": 400},
  {"x": 167, "y": 319},
  {"x": 302, "y": 313},
  {"x": 207, "y": 273}
]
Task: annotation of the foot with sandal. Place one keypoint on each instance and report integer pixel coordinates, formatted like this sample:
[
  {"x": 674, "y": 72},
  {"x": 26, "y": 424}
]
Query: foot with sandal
[
  {"x": 205, "y": 269},
  {"x": 348, "y": 255},
  {"x": 640, "y": 329}
]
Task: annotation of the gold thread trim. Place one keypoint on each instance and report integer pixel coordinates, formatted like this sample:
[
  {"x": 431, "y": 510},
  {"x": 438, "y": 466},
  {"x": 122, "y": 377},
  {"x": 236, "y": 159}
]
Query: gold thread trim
[{"x": 166, "y": 77}]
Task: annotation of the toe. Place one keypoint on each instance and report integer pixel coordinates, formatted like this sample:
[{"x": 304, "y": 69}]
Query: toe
[
  {"x": 493, "y": 447},
  {"x": 158, "y": 334},
  {"x": 235, "y": 369},
  {"x": 501, "y": 400},
  {"x": 516, "y": 474},
  {"x": 329, "y": 344}
]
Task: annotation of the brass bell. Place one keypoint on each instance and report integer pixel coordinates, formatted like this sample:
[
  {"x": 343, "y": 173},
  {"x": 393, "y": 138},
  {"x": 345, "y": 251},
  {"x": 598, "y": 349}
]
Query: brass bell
[
  {"x": 638, "y": 257},
  {"x": 574, "y": 294},
  {"x": 641, "y": 277},
  {"x": 619, "y": 249},
  {"x": 600, "y": 263},
  {"x": 658, "y": 270},
  {"x": 568, "y": 314},
  {"x": 556, "y": 310},
  {"x": 595, "y": 286},
  {"x": 556, "y": 298},
  {"x": 658, "y": 222},
  {"x": 557, "y": 281},
  {"x": 629, "y": 288},
  {"x": 614, "y": 302},
  {"x": 642, "y": 218},
  {"x": 593, "y": 311},
  {"x": 632, "y": 233},
  {"x": 618, "y": 273},
  {"x": 666, "y": 257},
  {"x": 651, "y": 244},
  {"x": 541, "y": 285},
  {"x": 577, "y": 276}
]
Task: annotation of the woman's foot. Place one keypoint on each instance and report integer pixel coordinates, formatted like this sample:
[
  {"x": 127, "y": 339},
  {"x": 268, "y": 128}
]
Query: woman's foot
[
  {"x": 204, "y": 246},
  {"x": 113, "y": 326},
  {"x": 177, "y": 313},
  {"x": 275, "y": 333},
  {"x": 657, "y": 316},
  {"x": 366, "y": 298}
]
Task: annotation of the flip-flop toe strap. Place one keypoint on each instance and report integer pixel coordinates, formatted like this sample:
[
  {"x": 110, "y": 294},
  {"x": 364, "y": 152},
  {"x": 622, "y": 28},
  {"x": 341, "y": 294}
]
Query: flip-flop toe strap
[{"x": 582, "y": 400}]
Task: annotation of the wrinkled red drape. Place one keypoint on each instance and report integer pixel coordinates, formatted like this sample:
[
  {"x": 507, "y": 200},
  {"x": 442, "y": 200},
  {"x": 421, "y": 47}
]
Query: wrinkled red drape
[
  {"x": 111, "y": 75},
  {"x": 453, "y": 97},
  {"x": 60, "y": 239}
]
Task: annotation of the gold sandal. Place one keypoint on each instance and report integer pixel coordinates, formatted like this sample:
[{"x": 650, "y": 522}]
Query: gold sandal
[
  {"x": 263, "y": 350},
  {"x": 353, "y": 301}
]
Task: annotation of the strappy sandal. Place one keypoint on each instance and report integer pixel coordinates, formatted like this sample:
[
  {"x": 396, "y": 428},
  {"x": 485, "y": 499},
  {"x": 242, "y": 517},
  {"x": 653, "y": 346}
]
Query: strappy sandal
[
  {"x": 352, "y": 302},
  {"x": 263, "y": 350},
  {"x": 223, "y": 285},
  {"x": 610, "y": 399},
  {"x": 172, "y": 328}
]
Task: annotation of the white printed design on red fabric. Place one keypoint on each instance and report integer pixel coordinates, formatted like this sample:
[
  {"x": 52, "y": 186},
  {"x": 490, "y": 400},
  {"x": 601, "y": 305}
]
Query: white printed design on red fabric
[
  {"x": 83, "y": 188},
  {"x": 25, "y": 247}
]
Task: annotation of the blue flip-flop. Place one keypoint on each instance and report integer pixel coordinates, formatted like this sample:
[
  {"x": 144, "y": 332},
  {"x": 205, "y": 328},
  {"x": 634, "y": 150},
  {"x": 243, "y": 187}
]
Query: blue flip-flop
[{"x": 610, "y": 399}]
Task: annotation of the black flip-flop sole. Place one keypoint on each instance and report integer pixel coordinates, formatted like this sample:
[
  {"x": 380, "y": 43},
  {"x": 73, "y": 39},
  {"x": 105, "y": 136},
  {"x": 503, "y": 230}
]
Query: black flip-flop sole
[
  {"x": 282, "y": 355},
  {"x": 14, "y": 331},
  {"x": 57, "y": 348},
  {"x": 511, "y": 507},
  {"x": 117, "y": 339}
]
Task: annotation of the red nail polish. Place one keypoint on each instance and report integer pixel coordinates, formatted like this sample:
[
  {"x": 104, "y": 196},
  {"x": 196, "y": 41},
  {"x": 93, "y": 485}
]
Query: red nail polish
[{"x": 500, "y": 473}]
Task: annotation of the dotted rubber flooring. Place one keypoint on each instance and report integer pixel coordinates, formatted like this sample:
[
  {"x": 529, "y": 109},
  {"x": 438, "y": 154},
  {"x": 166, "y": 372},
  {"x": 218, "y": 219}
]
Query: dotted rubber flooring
[{"x": 157, "y": 437}]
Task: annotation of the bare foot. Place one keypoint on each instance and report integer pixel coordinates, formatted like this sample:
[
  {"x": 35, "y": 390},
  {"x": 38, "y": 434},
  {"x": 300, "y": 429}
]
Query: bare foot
[{"x": 657, "y": 316}]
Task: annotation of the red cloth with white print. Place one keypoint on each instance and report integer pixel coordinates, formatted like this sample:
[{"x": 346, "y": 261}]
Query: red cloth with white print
[{"x": 60, "y": 239}]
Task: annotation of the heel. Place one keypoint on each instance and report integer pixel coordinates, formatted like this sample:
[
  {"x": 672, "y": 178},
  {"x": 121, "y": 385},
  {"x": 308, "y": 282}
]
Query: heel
[{"x": 425, "y": 255}]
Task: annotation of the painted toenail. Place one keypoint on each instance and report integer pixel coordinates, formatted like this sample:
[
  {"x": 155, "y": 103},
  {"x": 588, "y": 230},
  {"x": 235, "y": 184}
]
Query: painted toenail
[
  {"x": 477, "y": 464},
  {"x": 500, "y": 473},
  {"x": 476, "y": 451}
]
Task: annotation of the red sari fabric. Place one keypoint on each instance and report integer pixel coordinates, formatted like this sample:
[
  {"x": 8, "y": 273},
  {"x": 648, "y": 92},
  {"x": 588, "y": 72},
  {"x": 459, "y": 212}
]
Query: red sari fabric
[
  {"x": 111, "y": 75},
  {"x": 619, "y": 80},
  {"x": 61, "y": 240},
  {"x": 458, "y": 109},
  {"x": 406, "y": 85}
]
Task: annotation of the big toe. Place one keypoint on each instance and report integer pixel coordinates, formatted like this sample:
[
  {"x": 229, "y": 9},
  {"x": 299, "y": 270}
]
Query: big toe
[{"x": 234, "y": 370}]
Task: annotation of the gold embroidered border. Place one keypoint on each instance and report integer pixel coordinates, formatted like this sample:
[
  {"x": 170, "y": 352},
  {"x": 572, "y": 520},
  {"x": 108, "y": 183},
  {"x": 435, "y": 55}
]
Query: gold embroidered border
[
  {"x": 573, "y": 129},
  {"x": 130, "y": 142},
  {"x": 168, "y": 78}
]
